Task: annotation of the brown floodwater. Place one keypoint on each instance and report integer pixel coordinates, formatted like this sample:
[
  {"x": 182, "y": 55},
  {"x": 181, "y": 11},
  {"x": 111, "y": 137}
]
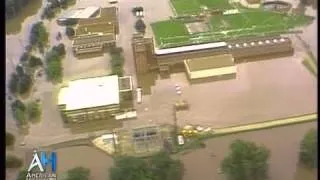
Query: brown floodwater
[
  {"x": 97, "y": 161},
  {"x": 283, "y": 143}
]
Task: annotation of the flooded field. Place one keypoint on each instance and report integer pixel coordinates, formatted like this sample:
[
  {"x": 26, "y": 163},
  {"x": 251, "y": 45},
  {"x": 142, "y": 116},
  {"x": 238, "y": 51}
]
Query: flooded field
[
  {"x": 13, "y": 25},
  {"x": 283, "y": 143},
  {"x": 97, "y": 161}
]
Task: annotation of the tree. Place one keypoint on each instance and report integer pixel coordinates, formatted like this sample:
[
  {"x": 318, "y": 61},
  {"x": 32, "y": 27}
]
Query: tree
[
  {"x": 130, "y": 168},
  {"x": 158, "y": 167},
  {"x": 13, "y": 162},
  {"x": 35, "y": 61},
  {"x": 54, "y": 71},
  {"x": 246, "y": 161},
  {"x": 10, "y": 139},
  {"x": 140, "y": 26},
  {"x": 19, "y": 115},
  {"x": 25, "y": 57},
  {"x": 19, "y": 70},
  {"x": 60, "y": 49},
  {"x": 25, "y": 83},
  {"x": 33, "y": 111},
  {"x": 14, "y": 83},
  {"x": 22, "y": 174},
  {"x": 70, "y": 31},
  {"x": 78, "y": 173},
  {"x": 17, "y": 104},
  {"x": 308, "y": 149},
  {"x": 165, "y": 168},
  {"x": 38, "y": 35}
]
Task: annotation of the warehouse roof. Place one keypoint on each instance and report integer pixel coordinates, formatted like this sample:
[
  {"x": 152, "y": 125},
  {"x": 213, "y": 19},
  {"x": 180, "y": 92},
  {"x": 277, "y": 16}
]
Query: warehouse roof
[
  {"x": 210, "y": 66},
  {"x": 93, "y": 92},
  {"x": 80, "y": 13},
  {"x": 210, "y": 62}
]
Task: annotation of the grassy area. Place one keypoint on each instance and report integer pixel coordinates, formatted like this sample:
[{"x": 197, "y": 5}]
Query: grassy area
[
  {"x": 248, "y": 23},
  {"x": 170, "y": 32},
  {"x": 310, "y": 65},
  {"x": 186, "y": 6},
  {"x": 216, "y": 4}
]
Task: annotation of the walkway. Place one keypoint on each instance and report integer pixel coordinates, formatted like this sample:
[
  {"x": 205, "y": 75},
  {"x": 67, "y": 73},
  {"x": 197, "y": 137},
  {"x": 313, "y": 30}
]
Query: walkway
[{"x": 267, "y": 124}]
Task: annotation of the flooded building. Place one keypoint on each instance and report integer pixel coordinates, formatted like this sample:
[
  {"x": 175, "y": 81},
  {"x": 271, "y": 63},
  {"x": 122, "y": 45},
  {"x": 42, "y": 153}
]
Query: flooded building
[
  {"x": 220, "y": 67},
  {"x": 96, "y": 98},
  {"x": 239, "y": 50},
  {"x": 95, "y": 34},
  {"x": 142, "y": 141}
]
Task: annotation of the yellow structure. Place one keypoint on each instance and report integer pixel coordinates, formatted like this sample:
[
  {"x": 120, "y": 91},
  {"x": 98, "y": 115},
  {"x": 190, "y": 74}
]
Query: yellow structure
[{"x": 216, "y": 67}]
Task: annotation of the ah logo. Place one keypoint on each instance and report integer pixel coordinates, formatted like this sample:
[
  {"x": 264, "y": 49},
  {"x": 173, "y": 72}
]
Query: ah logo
[{"x": 43, "y": 161}]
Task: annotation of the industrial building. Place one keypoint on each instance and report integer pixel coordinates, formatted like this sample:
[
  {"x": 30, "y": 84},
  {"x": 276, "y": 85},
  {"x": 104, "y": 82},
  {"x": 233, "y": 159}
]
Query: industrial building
[
  {"x": 96, "y": 98},
  {"x": 210, "y": 59},
  {"x": 95, "y": 34}
]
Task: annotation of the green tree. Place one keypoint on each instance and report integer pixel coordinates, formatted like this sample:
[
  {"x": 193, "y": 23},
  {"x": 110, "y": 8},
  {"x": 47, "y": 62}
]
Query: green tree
[
  {"x": 70, "y": 31},
  {"x": 25, "y": 57},
  {"x": 10, "y": 139},
  {"x": 54, "y": 71},
  {"x": 130, "y": 168},
  {"x": 13, "y": 162},
  {"x": 33, "y": 111},
  {"x": 22, "y": 174},
  {"x": 39, "y": 35},
  {"x": 246, "y": 161},
  {"x": 78, "y": 173},
  {"x": 60, "y": 49},
  {"x": 35, "y": 61},
  {"x": 25, "y": 83},
  {"x": 165, "y": 168},
  {"x": 20, "y": 116},
  {"x": 308, "y": 149},
  {"x": 17, "y": 104},
  {"x": 14, "y": 83}
]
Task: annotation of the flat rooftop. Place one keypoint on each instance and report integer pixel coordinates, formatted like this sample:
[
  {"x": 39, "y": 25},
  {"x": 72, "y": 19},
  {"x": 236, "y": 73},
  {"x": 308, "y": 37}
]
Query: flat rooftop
[
  {"x": 87, "y": 93},
  {"x": 210, "y": 62},
  {"x": 80, "y": 13},
  {"x": 105, "y": 28},
  {"x": 190, "y": 48}
]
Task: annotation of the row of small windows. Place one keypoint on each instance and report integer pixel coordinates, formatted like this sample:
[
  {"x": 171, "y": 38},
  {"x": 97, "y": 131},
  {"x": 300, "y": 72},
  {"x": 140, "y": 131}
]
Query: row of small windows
[{"x": 257, "y": 43}]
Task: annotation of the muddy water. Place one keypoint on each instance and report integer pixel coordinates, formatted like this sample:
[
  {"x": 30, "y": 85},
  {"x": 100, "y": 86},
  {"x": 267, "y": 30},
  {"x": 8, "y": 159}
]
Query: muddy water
[
  {"x": 283, "y": 143},
  {"x": 88, "y": 157},
  {"x": 13, "y": 25}
]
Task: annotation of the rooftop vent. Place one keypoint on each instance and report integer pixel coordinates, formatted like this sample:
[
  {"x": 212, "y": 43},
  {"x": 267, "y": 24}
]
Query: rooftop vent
[
  {"x": 268, "y": 41},
  {"x": 260, "y": 42},
  {"x": 275, "y": 40},
  {"x": 252, "y": 43}
]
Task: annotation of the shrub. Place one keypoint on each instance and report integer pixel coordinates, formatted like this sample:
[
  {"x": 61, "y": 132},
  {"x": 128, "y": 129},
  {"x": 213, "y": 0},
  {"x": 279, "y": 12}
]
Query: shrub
[
  {"x": 70, "y": 32},
  {"x": 13, "y": 162},
  {"x": 10, "y": 139},
  {"x": 308, "y": 149}
]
